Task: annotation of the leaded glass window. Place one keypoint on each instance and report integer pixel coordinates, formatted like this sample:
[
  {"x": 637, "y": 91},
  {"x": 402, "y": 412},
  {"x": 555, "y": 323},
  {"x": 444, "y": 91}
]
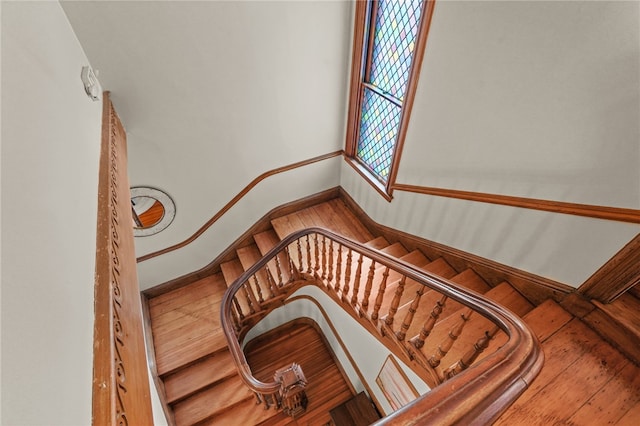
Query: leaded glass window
[{"x": 393, "y": 32}]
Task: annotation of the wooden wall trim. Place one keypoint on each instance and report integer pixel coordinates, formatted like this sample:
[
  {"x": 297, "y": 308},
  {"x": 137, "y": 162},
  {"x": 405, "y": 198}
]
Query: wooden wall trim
[
  {"x": 616, "y": 276},
  {"x": 235, "y": 200},
  {"x": 599, "y": 212},
  {"x": 121, "y": 393}
]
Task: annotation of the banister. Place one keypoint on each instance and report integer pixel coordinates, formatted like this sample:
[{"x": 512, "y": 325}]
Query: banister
[{"x": 477, "y": 395}]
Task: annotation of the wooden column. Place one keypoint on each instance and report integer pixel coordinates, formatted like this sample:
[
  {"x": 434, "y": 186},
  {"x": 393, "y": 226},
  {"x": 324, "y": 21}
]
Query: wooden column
[{"x": 121, "y": 394}]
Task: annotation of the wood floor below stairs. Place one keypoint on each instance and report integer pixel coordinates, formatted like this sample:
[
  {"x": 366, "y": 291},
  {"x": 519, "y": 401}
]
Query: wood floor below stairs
[{"x": 584, "y": 381}]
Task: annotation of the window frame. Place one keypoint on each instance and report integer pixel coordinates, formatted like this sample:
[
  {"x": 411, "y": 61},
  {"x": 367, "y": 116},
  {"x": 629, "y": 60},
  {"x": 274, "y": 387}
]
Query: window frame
[{"x": 365, "y": 13}]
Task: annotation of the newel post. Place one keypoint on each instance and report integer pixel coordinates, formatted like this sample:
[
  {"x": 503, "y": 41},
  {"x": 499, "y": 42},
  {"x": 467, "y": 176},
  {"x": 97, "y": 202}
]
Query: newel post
[{"x": 292, "y": 385}]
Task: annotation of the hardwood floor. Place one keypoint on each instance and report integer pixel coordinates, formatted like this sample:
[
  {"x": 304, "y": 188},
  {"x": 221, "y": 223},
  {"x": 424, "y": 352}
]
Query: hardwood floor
[{"x": 584, "y": 381}]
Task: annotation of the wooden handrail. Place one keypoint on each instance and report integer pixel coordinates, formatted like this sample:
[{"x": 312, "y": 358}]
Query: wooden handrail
[{"x": 477, "y": 394}]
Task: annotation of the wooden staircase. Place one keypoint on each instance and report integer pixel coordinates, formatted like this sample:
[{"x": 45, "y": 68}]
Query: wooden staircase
[{"x": 202, "y": 387}]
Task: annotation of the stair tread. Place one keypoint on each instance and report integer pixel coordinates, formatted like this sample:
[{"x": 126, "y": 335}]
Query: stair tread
[
  {"x": 546, "y": 319},
  {"x": 231, "y": 270},
  {"x": 625, "y": 310},
  {"x": 210, "y": 401},
  {"x": 416, "y": 258},
  {"x": 342, "y": 211},
  {"x": 395, "y": 250},
  {"x": 184, "y": 296},
  {"x": 377, "y": 243},
  {"x": 189, "y": 380},
  {"x": 266, "y": 240},
  {"x": 440, "y": 267},
  {"x": 187, "y": 350},
  {"x": 248, "y": 256},
  {"x": 472, "y": 281}
]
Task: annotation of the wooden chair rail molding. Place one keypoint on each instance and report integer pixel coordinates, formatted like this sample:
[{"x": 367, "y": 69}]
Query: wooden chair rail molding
[
  {"x": 235, "y": 200},
  {"x": 121, "y": 392},
  {"x": 370, "y": 286},
  {"x": 598, "y": 212}
]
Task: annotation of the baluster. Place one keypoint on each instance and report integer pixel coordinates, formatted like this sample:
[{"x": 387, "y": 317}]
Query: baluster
[
  {"x": 248, "y": 296},
  {"x": 356, "y": 282},
  {"x": 324, "y": 258},
  {"x": 238, "y": 308},
  {"x": 408, "y": 319},
  {"x": 292, "y": 267},
  {"x": 273, "y": 288},
  {"x": 308, "y": 255},
  {"x": 446, "y": 345},
  {"x": 338, "y": 268},
  {"x": 430, "y": 322},
  {"x": 469, "y": 357},
  {"x": 347, "y": 277},
  {"x": 367, "y": 288},
  {"x": 235, "y": 320},
  {"x": 300, "y": 267},
  {"x": 316, "y": 257},
  {"x": 330, "y": 274},
  {"x": 258, "y": 289},
  {"x": 396, "y": 301},
  {"x": 380, "y": 295},
  {"x": 279, "y": 284}
]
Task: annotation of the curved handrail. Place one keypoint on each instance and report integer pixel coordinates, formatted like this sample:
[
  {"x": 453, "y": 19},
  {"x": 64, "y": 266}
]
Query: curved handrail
[{"x": 475, "y": 396}]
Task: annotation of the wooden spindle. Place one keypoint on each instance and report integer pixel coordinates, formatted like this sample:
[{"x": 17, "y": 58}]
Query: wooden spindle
[
  {"x": 273, "y": 288},
  {"x": 395, "y": 302},
  {"x": 330, "y": 273},
  {"x": 293, "y": 275},
  {"x": 324, "y": 258},
  {"x": 316, "y": 257},
  {"x": 446, "y": 345},
  {"x": 280, "y": 283},
  {"x": 408, "y": 319},
  {"x": 246, "y": 289},
  {"x": 238, "y": 309},
  {"x": 308, "y": 255},
  {"x": 430, "y": 322},
  {"x": 347, "y": 276},
  {"x": 356, "y": 282},
  {"x": 380, "y": 295},
  {"x": 470, "y": 356},
  {"x": 367, "y": 288},
  {"x": 256, "y": 283},
  {"x": 338, "y": 268},
  {"x": 300, "y": 264}
]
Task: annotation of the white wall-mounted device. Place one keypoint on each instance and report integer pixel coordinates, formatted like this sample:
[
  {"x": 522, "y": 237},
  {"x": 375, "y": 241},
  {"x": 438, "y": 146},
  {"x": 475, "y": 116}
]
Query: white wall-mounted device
[{"x": 91, "y": 83}]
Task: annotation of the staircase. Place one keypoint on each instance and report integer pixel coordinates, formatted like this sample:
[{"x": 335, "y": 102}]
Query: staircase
[{"x": 201, "y": 386}]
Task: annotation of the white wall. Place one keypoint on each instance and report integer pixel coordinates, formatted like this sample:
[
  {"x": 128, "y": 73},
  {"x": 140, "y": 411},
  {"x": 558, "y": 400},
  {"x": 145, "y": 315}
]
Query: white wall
[
  {"x": 531, "y": 99},
  {"x": 50, "y": 153}
]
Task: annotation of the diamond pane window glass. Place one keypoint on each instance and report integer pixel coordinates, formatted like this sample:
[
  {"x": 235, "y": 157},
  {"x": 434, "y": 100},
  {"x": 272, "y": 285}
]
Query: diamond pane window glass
[
  {"x": 378, "y": 132},
  {"x": 395, "y": 33}
]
